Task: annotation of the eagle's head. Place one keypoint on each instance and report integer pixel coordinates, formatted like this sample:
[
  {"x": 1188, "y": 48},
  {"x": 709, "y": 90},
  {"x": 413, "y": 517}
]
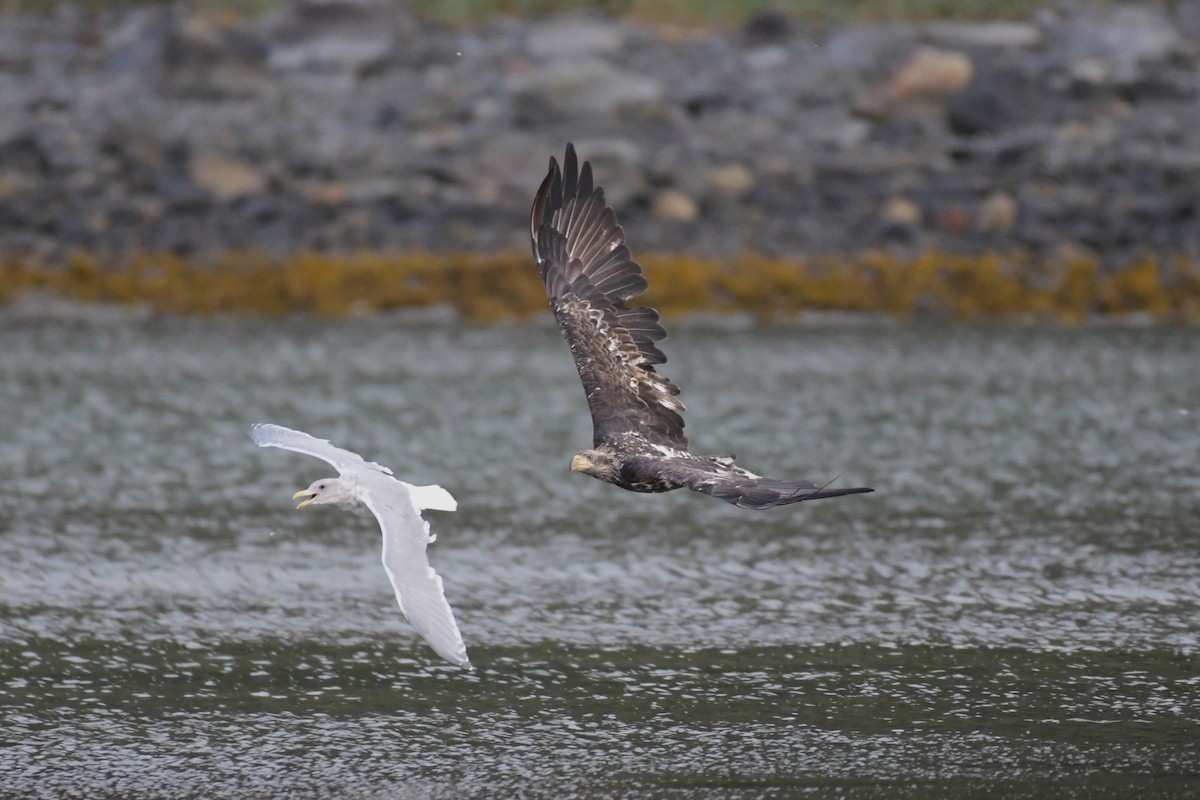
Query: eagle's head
[{"x": 596, "y": 463}]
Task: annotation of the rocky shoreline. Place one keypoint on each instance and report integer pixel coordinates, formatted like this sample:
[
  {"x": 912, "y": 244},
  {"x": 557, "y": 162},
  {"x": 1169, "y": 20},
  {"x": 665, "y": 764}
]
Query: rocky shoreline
[{"x": 342, "y": 126}]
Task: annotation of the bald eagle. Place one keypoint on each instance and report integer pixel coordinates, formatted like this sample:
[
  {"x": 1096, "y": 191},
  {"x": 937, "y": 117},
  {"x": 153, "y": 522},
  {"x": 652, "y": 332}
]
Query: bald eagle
[{"x": 638, "y": 441}]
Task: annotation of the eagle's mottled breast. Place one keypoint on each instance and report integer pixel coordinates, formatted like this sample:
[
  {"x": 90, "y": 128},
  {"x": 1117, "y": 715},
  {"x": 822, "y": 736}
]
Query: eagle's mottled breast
[{"x": 639, "y": 475}]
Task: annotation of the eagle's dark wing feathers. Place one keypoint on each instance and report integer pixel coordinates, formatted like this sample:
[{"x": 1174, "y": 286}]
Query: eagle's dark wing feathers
[
  {"x": 603, "y": 353},
  {"x": 589, "y": 275},
  {"x": 721, "y": 478}
]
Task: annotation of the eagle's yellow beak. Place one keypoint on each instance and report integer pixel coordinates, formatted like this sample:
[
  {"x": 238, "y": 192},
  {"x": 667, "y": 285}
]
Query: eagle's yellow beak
[
  {"x": 580, "y": 462},
  {"x": 306, "y": 494}
]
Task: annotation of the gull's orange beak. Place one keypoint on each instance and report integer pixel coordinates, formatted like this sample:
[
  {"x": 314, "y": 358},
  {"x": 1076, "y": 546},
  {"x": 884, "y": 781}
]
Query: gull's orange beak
[{"x": 305, "y": 493}]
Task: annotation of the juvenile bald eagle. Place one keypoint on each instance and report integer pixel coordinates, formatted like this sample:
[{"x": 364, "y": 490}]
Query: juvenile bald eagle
[{"x": 638, "y": 441}]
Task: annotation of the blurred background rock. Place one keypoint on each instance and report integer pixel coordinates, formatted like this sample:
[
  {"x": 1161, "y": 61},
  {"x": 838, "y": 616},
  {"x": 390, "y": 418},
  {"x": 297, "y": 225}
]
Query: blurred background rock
[{"x": 784, "y": 129}]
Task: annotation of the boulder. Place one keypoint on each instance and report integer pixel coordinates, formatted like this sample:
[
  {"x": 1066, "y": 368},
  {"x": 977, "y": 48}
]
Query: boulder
[
  {"x": 205, "y": 58},
  {"x": 345, "y": 36},
  {"x": 13, "y": 183},
  {"x": 901, "y": 212},
  {"x": 25, "y": 152},
  {"x": 997, "y": 213},
  {"x": 580, "y": 88},
  {"x": 1000, "y": 100},
  {"x": 225, "y": 177},
  {"x": 928, "y": 74},
  {"x": 731, "y": 180},
  {"x": 767, "y": 28},
  {"x": 573, "y": 36},
  {"x": 676, "y": 206},
  {"x": 134, "y": 148}
]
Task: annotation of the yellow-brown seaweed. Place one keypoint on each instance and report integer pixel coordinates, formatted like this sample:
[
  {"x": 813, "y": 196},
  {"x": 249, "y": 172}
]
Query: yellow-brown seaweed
[{"x": 487, "y": 288}]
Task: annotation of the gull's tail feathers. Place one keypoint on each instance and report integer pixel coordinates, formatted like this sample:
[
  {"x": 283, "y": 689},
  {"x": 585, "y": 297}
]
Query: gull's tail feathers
[{"x": 432, "y": 497}]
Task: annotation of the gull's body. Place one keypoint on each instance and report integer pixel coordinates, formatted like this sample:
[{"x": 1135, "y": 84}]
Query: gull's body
[{"x": 397, "y": 506}]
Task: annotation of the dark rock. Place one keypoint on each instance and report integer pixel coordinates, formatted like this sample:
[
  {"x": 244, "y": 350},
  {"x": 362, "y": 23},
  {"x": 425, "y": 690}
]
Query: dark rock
[
  {"x": 181, "y": 197},
  {"x": 25, "y": 153},
  {"x": 135, "y": 44},
  {"x": 205, "y": 59},
  {"x": 51, "y": 102},
  {"x": 767, "y": 27},
  {"x": 136, "y": 148},
  {"x": 999, "y": 100}
]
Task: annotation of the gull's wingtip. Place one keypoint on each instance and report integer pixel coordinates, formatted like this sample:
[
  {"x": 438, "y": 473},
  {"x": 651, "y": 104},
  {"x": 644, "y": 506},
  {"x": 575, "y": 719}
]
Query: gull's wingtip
[{"x": 267, "y": 434}]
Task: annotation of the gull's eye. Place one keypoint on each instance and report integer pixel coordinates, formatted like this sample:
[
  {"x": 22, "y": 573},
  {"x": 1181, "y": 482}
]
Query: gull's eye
[{"x": 321, "y": 486}]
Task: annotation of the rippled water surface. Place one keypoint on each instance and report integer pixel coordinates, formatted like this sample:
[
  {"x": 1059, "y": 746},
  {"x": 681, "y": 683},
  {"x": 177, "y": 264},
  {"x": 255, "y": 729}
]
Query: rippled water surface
[{"x": 1016, "y": 610}]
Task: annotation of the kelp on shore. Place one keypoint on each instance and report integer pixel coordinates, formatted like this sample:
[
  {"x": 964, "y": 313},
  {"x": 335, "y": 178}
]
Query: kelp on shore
[{"x": 488, "y": 288}]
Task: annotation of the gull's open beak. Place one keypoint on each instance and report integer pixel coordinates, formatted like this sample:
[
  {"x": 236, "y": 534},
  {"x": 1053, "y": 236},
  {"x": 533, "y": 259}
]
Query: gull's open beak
[
  {"x": 580, "y": 462},
  {"x": 305, "y": 493}
]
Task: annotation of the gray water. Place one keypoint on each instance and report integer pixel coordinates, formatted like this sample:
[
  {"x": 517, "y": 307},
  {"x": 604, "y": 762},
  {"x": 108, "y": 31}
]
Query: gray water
[{"x": 1015, "y": 611}]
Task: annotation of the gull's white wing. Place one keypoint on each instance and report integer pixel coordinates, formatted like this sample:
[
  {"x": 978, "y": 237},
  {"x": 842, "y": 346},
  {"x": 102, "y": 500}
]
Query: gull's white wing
[
  {"x": 267, "y": 435},
  {"x": 418, "y": 588}
]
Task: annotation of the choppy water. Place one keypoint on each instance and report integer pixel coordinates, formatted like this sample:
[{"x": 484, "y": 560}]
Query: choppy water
[{"x": 1015, "y": 611}]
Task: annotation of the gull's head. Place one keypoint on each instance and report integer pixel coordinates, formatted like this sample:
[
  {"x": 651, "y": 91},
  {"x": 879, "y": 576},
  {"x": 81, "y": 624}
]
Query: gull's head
[
  {"x": 595, "y": 463},
  {"x": 322, "y": 492}
]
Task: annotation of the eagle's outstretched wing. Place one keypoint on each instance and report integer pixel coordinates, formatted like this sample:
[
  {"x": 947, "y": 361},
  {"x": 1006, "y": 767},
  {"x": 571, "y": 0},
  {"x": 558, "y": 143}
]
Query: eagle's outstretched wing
[
  {"x": 589, "y": 275},
  {"x": 723, "y": 479}
]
